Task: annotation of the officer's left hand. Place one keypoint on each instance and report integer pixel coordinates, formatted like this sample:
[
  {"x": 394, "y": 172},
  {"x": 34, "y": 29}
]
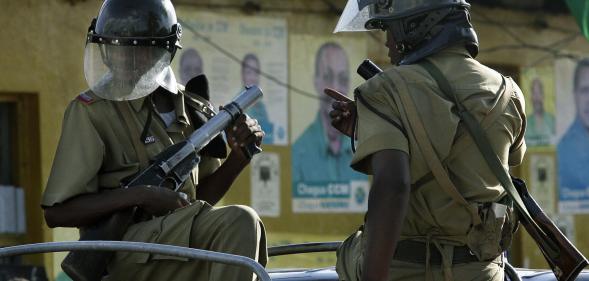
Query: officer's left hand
[{"x": 244, "y": 131}]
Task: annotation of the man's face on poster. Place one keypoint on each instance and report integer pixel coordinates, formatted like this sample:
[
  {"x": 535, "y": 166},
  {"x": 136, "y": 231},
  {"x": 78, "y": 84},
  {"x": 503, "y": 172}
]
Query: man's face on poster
[
  {"x": 332, "y": 72},
  {"x": 250, "y": 73},
  {"x": 582, "y": 97},
  {"x": 190, "y": 66}
]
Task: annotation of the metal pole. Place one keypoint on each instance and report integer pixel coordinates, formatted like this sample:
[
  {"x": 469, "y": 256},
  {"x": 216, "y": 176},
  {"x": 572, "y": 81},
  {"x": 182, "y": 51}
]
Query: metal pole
[
  {"x": 138, "y": 247},
  {"x": 303, "y": 248}
]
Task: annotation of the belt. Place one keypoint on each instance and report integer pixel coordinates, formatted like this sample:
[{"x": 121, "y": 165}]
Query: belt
[{"x": 415, "y": 251}]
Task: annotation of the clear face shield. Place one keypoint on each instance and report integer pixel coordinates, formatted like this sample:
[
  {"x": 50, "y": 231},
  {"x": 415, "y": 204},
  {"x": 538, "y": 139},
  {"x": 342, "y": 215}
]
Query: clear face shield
[
  {"x": 363, "y": 15},
  {"x": 126, "y": 72},
  {"x": 128, "y": 68}
]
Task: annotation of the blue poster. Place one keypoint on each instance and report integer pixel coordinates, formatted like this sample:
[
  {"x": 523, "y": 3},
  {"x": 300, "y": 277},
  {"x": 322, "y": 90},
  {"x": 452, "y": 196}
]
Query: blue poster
[
  {"x": 573, "y": 145},
  {"x": 322, "y": 179}
]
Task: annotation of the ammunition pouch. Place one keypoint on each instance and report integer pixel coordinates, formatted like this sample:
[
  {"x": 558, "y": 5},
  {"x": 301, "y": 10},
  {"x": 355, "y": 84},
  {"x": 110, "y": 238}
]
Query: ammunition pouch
[{"x": 494, "y": 235}]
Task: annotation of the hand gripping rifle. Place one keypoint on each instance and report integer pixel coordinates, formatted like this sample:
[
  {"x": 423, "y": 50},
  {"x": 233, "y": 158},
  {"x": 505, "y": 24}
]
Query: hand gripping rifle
[
  {"x": 565, "y": 260},
  {"x": 172, "y": 167}
]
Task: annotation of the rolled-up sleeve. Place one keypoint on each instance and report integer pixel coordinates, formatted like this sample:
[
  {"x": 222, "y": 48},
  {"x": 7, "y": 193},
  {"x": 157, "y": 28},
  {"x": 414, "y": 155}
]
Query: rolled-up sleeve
[
  {"x": 375, "y": 132},
  {"x": 78, "y": 157},
  {"x": 518, "y": 147}
]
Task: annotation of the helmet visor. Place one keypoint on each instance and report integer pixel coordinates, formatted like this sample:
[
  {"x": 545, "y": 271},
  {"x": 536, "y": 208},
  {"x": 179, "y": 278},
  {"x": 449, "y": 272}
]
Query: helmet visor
[
  {"x": 116, "y": 72},
  {"x": 352, "y": 18}
]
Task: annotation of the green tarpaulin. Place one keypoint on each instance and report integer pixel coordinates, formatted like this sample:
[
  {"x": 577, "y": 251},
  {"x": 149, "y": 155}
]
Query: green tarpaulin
[{"x": 580, "y": 10}]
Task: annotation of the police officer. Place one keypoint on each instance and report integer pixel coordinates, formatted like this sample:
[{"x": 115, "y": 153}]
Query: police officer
[
  {"x": 133, "y": 110},
  {"x": 421, "y": 226}
]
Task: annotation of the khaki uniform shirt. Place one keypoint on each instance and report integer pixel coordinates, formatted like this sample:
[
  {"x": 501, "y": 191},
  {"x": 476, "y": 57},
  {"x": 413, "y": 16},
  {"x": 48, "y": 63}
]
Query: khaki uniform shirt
[
  {"x": 96, "y": 152},
  {"x": 431, "y": 212}
]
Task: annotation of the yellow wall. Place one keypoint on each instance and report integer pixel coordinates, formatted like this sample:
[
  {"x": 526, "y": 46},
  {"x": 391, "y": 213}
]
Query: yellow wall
[
  {"x": 41, "y": 52},
  {"x": 42, "y": 43}
]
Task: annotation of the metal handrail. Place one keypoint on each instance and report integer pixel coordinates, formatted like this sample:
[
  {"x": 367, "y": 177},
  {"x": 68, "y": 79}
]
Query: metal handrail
[
  {"x": 139, "y": 247},
  {"x": 303, "y": 248},
  {"x": 511, "y": 272}
]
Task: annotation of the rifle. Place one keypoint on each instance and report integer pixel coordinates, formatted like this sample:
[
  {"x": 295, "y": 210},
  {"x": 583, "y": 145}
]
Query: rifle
[
  {"x": 172, "y": 167},
  {"x": 565, "y": 260}
]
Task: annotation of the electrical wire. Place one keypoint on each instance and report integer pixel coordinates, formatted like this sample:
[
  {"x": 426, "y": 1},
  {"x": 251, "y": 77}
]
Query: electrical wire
[
  {"x": 553, "y": 49},
  {"x": 231, "y": 56},
  {"x": 558, "y": 44}
]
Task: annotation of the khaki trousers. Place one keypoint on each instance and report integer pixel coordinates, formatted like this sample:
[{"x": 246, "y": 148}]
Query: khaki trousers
[
  {"x": 231, "y": 229},
  {"x": 350, "y": 258}
]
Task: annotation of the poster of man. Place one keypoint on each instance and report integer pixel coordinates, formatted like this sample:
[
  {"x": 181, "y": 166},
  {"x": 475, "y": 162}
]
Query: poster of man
[
  {"x": 222, "y": 47},
  {"x": 190, "y": 65},
  {"x": 573, "y": 132},
  {"x": 538, "y": 88},
  {"x": 321, "y": 175},
  {"x": 250, "y": 75}
]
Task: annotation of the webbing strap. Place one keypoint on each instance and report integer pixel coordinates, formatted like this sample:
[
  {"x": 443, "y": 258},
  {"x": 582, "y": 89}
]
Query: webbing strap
[
  {"x": 482, "y": 142},
  {"x": 423, "y": 142},
  {"x": 464, "y": 140},
  {"x": 124, "y": 110}
]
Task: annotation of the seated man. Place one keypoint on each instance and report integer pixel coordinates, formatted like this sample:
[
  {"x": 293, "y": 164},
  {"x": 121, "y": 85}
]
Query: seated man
[{"x": 134, "y": 110}]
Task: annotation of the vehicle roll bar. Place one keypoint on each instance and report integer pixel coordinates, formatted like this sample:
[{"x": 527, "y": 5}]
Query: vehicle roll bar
[{"x": 139, "y": 247}]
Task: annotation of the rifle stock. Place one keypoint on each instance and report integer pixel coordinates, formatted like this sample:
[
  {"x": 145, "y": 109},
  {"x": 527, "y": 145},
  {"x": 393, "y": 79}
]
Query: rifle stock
[
  {"x": 565, "y": 260},
  {"x": 568, "y": 261},
  {"x": 169, "y": 169}
]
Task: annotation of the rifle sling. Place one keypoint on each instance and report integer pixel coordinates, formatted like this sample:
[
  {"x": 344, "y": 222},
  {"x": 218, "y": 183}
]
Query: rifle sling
[
  {"x": 417, "y": 129},
  {"x": 492, "y": 159},
  {"x": 463, "y": 139}
]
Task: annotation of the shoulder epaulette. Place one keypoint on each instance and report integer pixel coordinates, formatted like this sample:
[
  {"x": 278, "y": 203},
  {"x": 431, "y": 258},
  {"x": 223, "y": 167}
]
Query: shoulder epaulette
[{"x": 86, "y": 98}]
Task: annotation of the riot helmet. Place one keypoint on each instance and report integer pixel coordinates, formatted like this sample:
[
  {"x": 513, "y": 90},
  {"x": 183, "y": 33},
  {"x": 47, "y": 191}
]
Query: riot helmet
[
  {"x": 419, "y": 27},
  {"x": 129, "y": 48}
]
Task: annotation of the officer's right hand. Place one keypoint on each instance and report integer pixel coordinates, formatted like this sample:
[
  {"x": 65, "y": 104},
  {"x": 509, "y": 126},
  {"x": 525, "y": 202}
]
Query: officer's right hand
[
  {"x": 343, "y": 113},
  {"x": 159, "y": 201}
]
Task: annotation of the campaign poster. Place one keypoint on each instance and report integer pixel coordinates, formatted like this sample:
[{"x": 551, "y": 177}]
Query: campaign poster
[
  {"x": 537, "y": 84},
  {"x": 235, "y": 51},
  {"x": 572, "y": 131},
  {"x": 322, "y": 180},
  {"x": 542, "y": 181},
  {"x": 265, "y": 184}
]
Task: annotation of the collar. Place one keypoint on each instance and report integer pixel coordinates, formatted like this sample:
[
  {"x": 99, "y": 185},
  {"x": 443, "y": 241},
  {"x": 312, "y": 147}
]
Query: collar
[
  {"x": 181, "y": 114},
  {"x": 138, "y": 103},
  {"x": 179, "y": 106},
  {"x": 457, "y": 49}
]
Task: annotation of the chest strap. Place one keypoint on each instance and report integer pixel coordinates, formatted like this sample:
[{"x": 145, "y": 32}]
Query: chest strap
[
  {"x": 417, "y": 129},
  {"x": 464, "y": 139}
]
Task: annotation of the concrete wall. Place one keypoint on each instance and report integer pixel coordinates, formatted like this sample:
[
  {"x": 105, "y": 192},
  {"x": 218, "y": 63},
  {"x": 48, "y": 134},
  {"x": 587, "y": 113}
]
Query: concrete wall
[{"x": 42, "y": 43}]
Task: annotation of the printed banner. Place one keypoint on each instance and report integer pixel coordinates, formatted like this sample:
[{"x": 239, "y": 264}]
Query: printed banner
[
  {"x": 234, "y": 52},
  {"x": 538, "y": 88},
  {"x": 265, "y": 183},
  {"x": 330, "y": 197},
  {"x": 542, "y": 181},
  {"x": 572, "y": 129},
  {"x": 322, "y": 179}
]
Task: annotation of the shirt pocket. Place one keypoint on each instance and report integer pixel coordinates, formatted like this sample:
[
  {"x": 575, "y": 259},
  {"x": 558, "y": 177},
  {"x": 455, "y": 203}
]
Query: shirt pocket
[{"x": 119, "y": 171}]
